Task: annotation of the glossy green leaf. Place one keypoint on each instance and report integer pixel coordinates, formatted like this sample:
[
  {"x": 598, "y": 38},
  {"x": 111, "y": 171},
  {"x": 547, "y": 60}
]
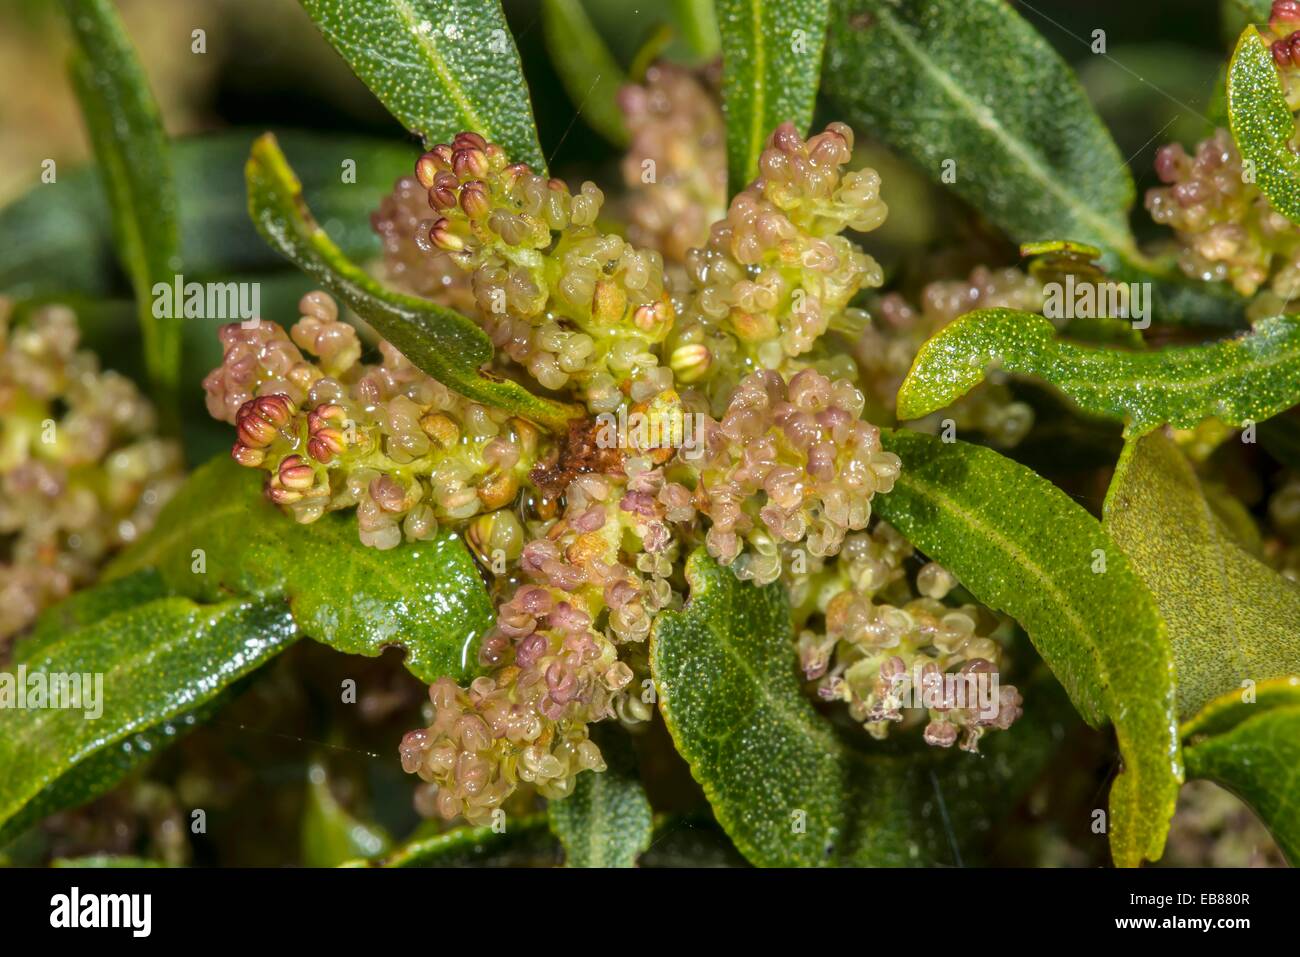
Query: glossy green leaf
[
  {"x": 332, "y": 835},
  {"x": 442, "y": 342},
  {"x": 440, "y": 66},
  {"x": 526, "y": 842},
  {"x": 1022, "y": 546},
  {"x": 1239, "y": 381},
  {"x": 1253, "y": 750},
  {"x": 771, "y": 59},
  {"x": 426, "y": 597},
  {"x": 1262, "y": 123},
  {"x": 1230, "y": 617},
  {"x": 134, "y": 163},
  {"x": 589, "y": 72},
  {"x": 159, "y": 661},
  {"x": 1233, "y": 707},
  {"x": 55, "y": 238},
  {"x": 698, "y": 23},
  {"x": 974, "y": 84},
  {"x": 606, "y": 821},
  {"x": 782, "y": 783}
]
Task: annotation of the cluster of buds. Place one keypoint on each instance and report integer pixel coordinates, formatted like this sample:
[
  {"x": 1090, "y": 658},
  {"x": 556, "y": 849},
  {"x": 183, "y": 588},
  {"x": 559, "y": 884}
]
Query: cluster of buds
[
  {"x": 776, "y": 273},
  {"x": 81, "y": 471},
  {"x": 885, "y": 351},
  {"x": 336, "y": 433},
  {"x": 556, "y": 295},
  {"x": 1225, "y": 226},
  {"x": 892, "y": 649},
  {"x": 402, "y": 223},
  {"x": 675, "y": 169},
  {"x": 788, "y": 464},
  {"x": 558, "y": 658}
]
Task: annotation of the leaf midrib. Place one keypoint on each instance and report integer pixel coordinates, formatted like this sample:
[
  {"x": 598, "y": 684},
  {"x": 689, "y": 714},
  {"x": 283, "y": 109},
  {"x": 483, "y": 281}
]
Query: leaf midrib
[{"x": 1118, "y": 240}]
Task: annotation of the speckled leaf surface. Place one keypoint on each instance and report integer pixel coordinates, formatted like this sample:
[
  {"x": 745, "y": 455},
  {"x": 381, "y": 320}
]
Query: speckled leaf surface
[
  {"x": 787, "y": 789},
  {"x": 1253, "y": 750},
  {"x": 426, "y": 597},
  {"x": 974, "y": 83},
  {"x": 1239, "y": 380},
  {"x": 771, "y": 59},
  {"x": 589, "y": 72},
  {"x": 55, "y": 238},
  {"x": 134, "y": 163},
  {"x": 1022, "y": 546},
  {"x": 440, "y": 66},
  {"x": 1230, "y": 617},
  {"x": 160, "y": 660},
  {"x": 606, "y": 821},
  {"x": 1262, "y": 125},
  {"x": 440, "y": 341},
  {"x": 1231, "y": 708}
]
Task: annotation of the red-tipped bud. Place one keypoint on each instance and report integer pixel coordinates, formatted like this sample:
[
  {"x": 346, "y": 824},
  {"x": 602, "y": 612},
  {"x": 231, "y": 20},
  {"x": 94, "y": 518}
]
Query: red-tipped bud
[
  {"x": 326, "y": 444},
  {"x": 324, "y": 416},
  {"x": 426, "y": 169},
  {"x": 255, "y": 432},
  {"x": 295, "y": 474},
  {"x": 469, "y": 162},
  {"x": 247, "y": 457},
  {"x": 440, "y": 235},
  {"x": 469, "y": 141},
  {"x": 282, "y": 496},
  {"x": 442, "y": 194},
  {"x": 474, "y": 200},
  {"x": 276, "y": 409}
]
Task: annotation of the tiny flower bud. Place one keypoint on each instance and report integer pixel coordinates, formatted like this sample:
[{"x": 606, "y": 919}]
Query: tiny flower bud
[
  {"x": 690, "y": 362},
  {"x": 295, "y": 474}
]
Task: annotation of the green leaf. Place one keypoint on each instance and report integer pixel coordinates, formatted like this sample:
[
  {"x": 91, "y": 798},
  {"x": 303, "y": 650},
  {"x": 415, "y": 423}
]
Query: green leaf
[
  {"x": 606, "y": 821},
  {"x": 1022, "y": 546},
  {"x": 784, "y": 786},
  {"x": 1253, "y": 750},
  {"x": 440, "y": 66},
  {"x": 331, "y": 835},
  {"x": 1262, "y": 123},
  {"x": 699, "y": 25},
  {"x": 771, "y": 58},
  {"x": 589, "y": 72},
  {"x": 973, "y": 83},
  {"x": 55, "y": 238},
  {"x": 442, "y": 342},
  {"x": 1230, "y": 617},
  {"x": 526, "y": 842},
  {"x": 1233, "y": 707},
  {"x": 134, "y": 163},
  {"x": 1238, "y": 381},
  {"x": 426, "y": 597},
  {"x": 159, "y": 661}
]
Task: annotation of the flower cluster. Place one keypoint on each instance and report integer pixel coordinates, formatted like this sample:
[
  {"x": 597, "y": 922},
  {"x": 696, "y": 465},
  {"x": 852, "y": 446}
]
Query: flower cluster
[
  {"x": 1226, "y": 228},
  {"x": 82, "y": 472},
  {"x": 885, "y": 351},
  {"x": 402, "y": 223},
  {"x": 1284, "y": 28},
  {"x": 675, "y": 169},
  {"x": 336, "y": 432},
  {"x": 788, "y": 464},
  {"x": 890, "y": 646},
  {"x": 556, "y": 295},
  {"x": 780, "y": 473},
  {"x": 775, "y": 273},
  {"x": 565, "y": 651}
]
